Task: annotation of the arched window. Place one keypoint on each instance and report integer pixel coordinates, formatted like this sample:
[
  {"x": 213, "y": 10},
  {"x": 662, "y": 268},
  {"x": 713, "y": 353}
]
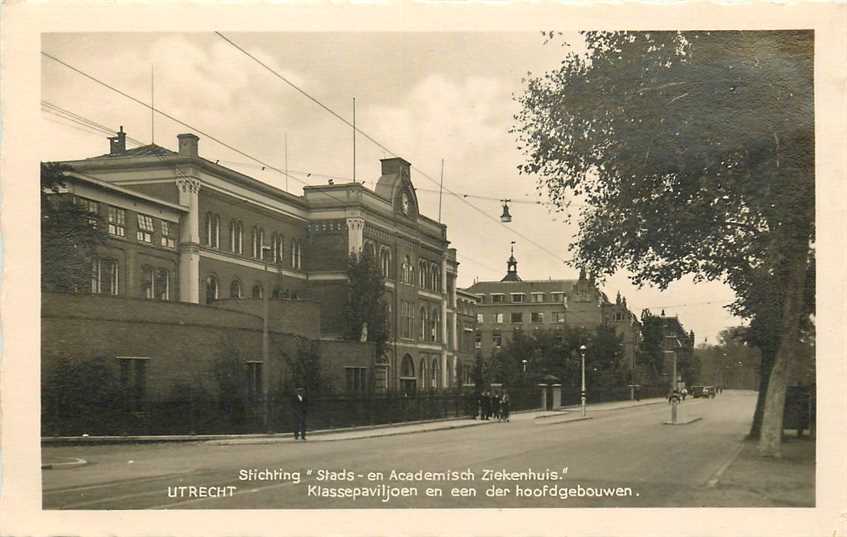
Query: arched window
[
  {"x": 235, "y": 289},
  {"x": 258, "y": 292},
  {"x": 299, "y": 254},
  {"x": 422, "y": 371},
  {"x": 210, "y": 220},
  {"x": 435, "y": 324},
  {"x": 407, "y": 375},
  {"x": 433, "y": 374},
  {"x": 256, "y": 246},
  {"x": 274, "y": 244},
  {"x": 422, "y": 271},
  {"x": 424, "y": 324},
  {"x": 369, "y": 250},
  {"x": 236, "y": 236},
  {"x": 435, "y": 277},
  {"x": 279, "y": 249},
  {"x": 385, "y": 262},
  {"x": 211, "y": 289}
]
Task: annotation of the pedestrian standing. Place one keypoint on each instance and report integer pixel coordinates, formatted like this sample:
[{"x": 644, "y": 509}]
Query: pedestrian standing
[
  {"x": 300, "y": 404},
  {"x": 486, "y": 405},
  {"x": 495, "y": 405},
  {"x": 505, "y": 406}
]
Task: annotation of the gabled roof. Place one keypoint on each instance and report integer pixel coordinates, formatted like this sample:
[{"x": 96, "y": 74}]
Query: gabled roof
[{"x": 150, "y": 150}]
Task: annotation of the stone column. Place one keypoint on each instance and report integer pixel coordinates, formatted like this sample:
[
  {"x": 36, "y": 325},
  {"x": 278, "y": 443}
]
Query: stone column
[
  {"x": 543, "y": 388},
  {"x": 355, "y": 234},
  {"x": 189, "y": 241},
  {"x": 557, "y": 396}
]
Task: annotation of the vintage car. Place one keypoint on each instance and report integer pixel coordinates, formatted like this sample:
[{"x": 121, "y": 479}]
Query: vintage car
[
  {"x": 709, "y": 391},
  {"x": 696, "y": 391}
]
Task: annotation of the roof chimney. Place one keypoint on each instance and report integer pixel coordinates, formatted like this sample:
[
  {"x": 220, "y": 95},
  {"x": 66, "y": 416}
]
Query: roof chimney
[
  {"x": 188, "y": 145},
  {"x": 394, "y": 165},
  {"x": 117, "y": 144}
]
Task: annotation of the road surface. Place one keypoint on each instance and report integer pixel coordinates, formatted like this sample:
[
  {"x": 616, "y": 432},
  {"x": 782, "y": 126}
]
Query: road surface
[{"x": 619, "y": 458}]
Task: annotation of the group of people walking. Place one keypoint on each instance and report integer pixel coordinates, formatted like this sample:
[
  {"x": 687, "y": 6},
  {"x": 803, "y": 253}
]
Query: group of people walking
[{"x": 496, "y": 405}]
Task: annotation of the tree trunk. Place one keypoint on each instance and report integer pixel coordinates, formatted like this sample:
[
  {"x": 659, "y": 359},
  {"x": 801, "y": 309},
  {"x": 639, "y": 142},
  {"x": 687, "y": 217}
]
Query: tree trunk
[
  {"x": 770, "y": 439},
  {"x": 764, "y": 378}
]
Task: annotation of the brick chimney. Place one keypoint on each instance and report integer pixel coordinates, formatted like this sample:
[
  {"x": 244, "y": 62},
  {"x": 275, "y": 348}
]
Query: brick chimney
[
  {"x": 394, "y": 165},
  {"x": 117, "y": 143},
  {"x": 188, "y": 145}
]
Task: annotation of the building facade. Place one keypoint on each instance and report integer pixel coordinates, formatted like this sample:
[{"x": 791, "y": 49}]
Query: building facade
[
  {"x": 185, "y": 229},
  {"x": 512, "y": 304}
]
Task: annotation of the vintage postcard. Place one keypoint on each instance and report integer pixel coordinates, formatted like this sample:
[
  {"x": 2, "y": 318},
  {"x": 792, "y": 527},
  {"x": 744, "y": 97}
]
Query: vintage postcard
[{"x": 423, "y": 269}]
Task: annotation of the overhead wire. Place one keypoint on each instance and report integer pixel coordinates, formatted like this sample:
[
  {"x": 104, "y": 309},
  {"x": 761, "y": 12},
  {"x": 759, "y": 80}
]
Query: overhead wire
[{"x": 379, "y": 144}]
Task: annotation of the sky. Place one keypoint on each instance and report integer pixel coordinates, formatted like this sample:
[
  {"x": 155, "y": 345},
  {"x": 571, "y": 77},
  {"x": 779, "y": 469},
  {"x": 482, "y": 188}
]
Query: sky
[{"x": 423, "y": 96}]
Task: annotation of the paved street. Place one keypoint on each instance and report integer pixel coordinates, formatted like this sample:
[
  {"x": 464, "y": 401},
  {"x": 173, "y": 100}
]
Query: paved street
[{"x": 625, "y": 452}]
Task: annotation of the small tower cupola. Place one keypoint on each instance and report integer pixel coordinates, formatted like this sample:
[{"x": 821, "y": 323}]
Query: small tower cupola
[
  {"x": 512, "y": 268},
  {"x": 117, "y": 143}
]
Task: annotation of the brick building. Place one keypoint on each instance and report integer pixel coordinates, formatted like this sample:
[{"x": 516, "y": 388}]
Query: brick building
[
  {"x": 511, "y": 304},
  {"x": 185, "y": 229}
]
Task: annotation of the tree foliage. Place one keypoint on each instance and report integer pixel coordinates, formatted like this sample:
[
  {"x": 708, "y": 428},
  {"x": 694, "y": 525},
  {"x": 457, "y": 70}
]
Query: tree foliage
[
  {"x": 366, "y": 300},
  {"x": 693, "y": 154},
  {"x": 70, "y": 235},
  {"x": 557, "y": 353}
]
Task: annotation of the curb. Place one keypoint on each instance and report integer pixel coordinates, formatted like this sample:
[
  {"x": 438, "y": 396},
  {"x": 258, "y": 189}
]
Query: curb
[
  {"x": 713, "y": 480},
  {"x": 683, "y": 422},
  {"x": 288, "y": 439},
  {"x": 59, "y": 465},
  {"x": 572, "y": 420},
  {"x": 151, "y": 439}
]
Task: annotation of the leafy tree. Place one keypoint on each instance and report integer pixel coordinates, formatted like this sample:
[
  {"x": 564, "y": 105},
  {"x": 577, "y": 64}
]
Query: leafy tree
[
  {"x": 304, "y": 368},
  {"x": 652, "y": 350},
  {"x": 366, "y": 311},
  {"x": 70, "y": 235},
  {"x": 228, "y": 371},
  {"x": 694, "y": 155},
  {"x": 82, "y": 396}
]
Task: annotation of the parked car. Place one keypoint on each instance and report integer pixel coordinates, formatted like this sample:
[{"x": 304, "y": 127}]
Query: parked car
[
  {"x": 696, "y": 391},
  {"x": 709, "y": 391}
]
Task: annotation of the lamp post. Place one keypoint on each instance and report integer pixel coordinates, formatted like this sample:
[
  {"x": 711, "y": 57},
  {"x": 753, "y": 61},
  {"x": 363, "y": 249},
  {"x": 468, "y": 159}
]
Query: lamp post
[{"x": 582, "y": 349}]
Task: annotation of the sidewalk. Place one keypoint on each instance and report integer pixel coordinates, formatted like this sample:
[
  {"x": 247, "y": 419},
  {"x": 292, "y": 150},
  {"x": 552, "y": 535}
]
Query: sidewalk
[
  {"x": 754, "y": 481},
  {"x": 350, "y": 433}
]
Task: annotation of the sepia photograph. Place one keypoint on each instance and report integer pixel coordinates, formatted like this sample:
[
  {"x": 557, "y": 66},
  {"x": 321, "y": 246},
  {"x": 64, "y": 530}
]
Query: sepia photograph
[
  {"x": 417, "y": 269},
  {"x": 452, "y": 270}
]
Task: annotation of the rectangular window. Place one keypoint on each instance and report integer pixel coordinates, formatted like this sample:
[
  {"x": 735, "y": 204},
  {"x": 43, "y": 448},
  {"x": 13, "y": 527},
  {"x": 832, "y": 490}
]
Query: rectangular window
[
  {"x": 518, "y": 298},
  {"x": 117, "y": 221},
  {"x": 91, "y": 207},
  {"x": 480, "y": 318},
  {"x": 145, "y": 228},
  {"x": 497, "y": 339},
  {"x": 477, "y": 340},
  {"x": 356, "y": 379},
  {"x": 254, "y": 381},
  {"x": 537, "y": 316},
  {"x": 497, "y": 299},
  {"x": 558, "y": 317},
  {"x": 538, "y": 298},
  {"x": 498, "y": 318},
  {"x": 133, "y": 382},
  {"x": 104, "y": 276},
  {"x": 517, "y": 317},
  {"x": 557, "y": 297},
  {"x": 161, "y": 285},
  {"x": 147, "y": 282},
  {"x": 168, "y": 239}
]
